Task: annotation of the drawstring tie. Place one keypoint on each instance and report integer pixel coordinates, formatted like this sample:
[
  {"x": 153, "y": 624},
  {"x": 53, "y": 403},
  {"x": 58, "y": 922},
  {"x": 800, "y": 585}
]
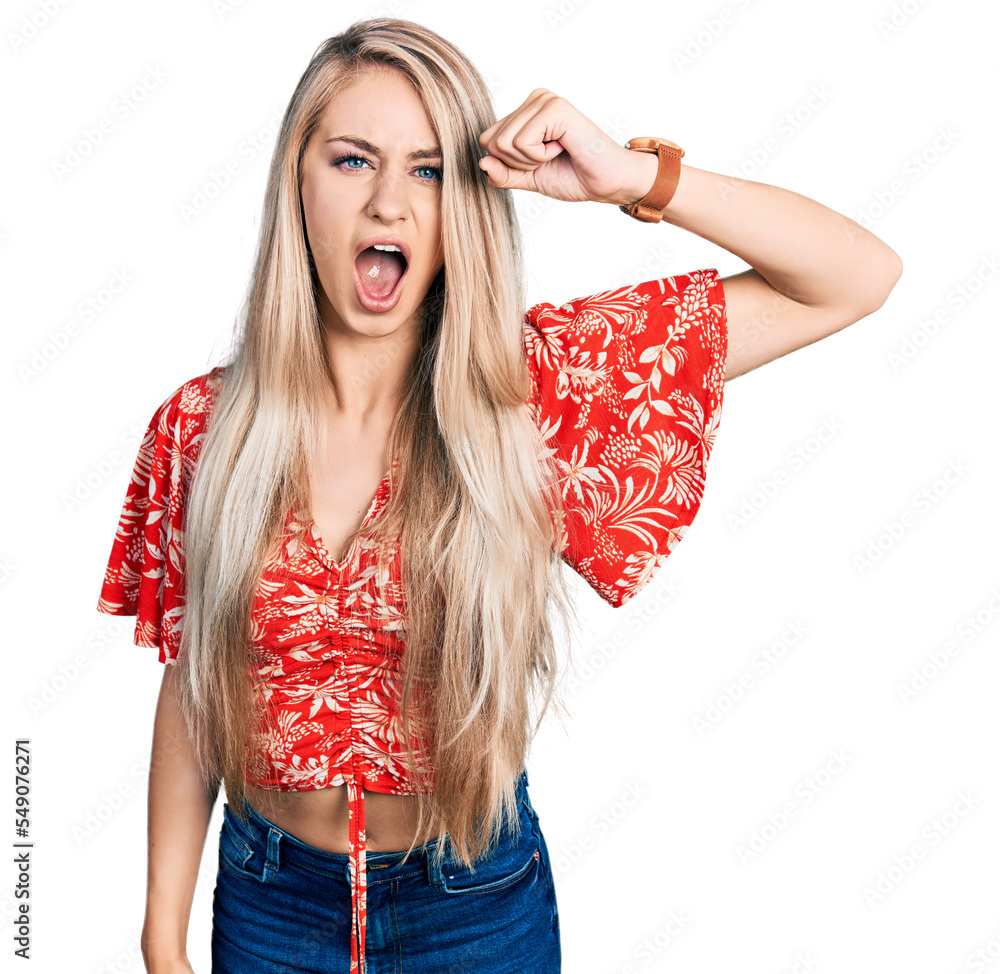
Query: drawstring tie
[{"x": 359, "y": 884}]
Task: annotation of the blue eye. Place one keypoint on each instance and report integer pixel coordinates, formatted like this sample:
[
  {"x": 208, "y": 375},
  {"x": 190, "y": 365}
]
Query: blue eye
[
  {"x": 340, "y": 162},
  {"x": 342, "y": 159}
]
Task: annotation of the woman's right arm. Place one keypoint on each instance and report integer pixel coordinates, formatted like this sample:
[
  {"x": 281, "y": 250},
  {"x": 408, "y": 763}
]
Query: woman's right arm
[{"x": 180, "y": 806}]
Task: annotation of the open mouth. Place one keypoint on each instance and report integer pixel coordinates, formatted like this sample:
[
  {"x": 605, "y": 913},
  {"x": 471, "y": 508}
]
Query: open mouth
[{"x": 378, "y": 278}]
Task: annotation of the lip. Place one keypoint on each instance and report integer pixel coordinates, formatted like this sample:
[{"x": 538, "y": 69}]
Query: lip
[{"x": 390, "y": 301}]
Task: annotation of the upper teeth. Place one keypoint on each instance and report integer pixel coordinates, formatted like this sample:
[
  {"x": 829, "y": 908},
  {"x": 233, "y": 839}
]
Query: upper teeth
[{"x": 387, "y": 247}]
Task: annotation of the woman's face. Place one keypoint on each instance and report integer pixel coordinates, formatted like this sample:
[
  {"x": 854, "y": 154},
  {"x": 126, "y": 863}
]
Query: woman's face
[{"x": 372, "y": 172}]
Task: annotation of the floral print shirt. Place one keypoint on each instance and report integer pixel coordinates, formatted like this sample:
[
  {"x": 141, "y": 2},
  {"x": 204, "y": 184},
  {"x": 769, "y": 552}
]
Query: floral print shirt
[{"x": 626, "y": 389}]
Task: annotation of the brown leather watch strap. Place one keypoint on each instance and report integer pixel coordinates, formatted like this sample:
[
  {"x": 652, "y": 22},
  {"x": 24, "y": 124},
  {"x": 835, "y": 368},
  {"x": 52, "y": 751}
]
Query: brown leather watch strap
[{"x": 668, "y": 173}]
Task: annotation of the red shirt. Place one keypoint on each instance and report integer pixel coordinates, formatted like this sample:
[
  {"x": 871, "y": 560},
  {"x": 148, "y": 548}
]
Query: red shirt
[{"x": 626, "y": 388}]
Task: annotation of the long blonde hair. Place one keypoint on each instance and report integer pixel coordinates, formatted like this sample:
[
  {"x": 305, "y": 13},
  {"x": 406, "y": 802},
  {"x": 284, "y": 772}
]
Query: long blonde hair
[{"x": 474, "y": 502}]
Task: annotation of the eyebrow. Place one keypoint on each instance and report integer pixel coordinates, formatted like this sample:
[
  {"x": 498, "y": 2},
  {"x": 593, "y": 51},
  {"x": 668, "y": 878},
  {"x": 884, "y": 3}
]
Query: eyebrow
[{"x": 434, "y": 153}]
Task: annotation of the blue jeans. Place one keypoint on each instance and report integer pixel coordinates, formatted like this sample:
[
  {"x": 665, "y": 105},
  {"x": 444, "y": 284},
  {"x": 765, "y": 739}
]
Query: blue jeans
[{"x": 289, "y": 909}]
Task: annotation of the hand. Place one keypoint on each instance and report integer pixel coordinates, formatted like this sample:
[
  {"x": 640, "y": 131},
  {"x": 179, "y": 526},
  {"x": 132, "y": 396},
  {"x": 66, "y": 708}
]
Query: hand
[{"x": 548, "y": 147}]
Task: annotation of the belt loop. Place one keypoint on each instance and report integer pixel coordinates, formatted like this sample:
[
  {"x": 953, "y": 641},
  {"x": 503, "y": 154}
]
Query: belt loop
[
  {"x": 522, "y": 787},
  {"x": 273, "y": 859},
  {"x": 434, "y": 875},
  {"x": 435, "y": 868}
]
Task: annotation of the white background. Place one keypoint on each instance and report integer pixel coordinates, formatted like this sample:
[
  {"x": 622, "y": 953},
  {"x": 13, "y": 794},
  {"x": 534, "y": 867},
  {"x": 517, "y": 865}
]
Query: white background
[{"x": 644, "y": 814}]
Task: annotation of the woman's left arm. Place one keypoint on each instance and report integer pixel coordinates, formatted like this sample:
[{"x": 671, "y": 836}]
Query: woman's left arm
[{"x": 813, "y": 271}]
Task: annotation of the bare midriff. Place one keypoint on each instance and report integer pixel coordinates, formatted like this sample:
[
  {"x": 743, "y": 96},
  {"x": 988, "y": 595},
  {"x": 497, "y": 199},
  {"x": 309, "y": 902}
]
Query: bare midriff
[{"x": 319, "y": 818}]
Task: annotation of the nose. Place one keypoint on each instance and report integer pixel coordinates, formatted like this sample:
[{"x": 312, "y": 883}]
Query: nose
[{"x": 388, "y": 200}]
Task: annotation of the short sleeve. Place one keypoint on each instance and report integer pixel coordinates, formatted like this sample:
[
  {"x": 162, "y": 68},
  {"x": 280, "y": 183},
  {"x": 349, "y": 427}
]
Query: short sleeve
[
  {"x": 627, "y": 389},
  {"x": 145, "y": 572}
]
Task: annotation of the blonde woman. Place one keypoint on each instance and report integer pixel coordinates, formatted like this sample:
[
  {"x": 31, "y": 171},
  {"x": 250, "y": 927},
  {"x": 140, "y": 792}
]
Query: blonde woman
[{"x": 397, "y": 456}]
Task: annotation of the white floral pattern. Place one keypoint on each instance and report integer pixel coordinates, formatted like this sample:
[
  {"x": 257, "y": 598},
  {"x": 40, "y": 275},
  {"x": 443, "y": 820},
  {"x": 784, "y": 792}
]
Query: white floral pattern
[{"x": 626, "y": 389}]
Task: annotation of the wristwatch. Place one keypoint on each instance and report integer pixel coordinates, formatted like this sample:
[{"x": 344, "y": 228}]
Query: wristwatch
[{"x": 650, "y": 208}]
